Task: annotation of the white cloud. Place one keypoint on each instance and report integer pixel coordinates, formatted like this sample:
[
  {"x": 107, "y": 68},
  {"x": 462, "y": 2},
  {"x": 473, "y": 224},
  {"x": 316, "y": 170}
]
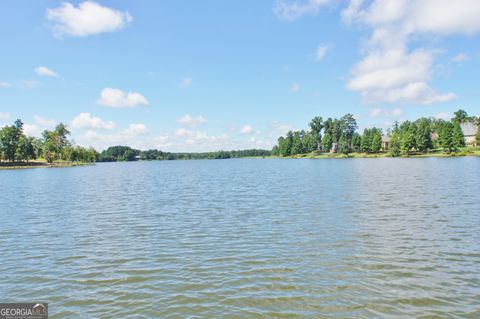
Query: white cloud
[
  {"x": 322, "y": 51},
  {"x": 396, "y": 76},
  {"x": 87, "y": 121},
  {"x": 188, "y": 120},
  {"x": 117, "y": 98},
  {"x": 43, "y": 121},
  {"x": 86, "y": 19},
  {"x": 4, "y": 84},
  {"x": 135, "y": 135},
  {"x": 4, "y": 116},
  {"x": 136, "y": 130},
  {"x": 38, "y": 127},
  {"x": 439, "y": 17},
  {"x": 292, "y": 10},
  {"x": 42, "y": 70},
  {"x": 247, "y": 129},
  {"x": 461, "y": 57},
  {"x": 181, "y": 140},
  {"x": 295, "y": 87},
  {"x": 187, "y": 81},
  {"x": 32, "y": 130},
  {"x": 390, "y": 71}
]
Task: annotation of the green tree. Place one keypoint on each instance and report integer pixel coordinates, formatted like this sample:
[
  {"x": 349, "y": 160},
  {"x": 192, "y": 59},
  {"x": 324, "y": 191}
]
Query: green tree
[
  {"x": 349, "y": 125},
  {"x": 343, "y": 145},
  {"x": 458, "y": 137},
  {"x": 9, "y": 138},
  {"x": 423, "y": 135},
  {"x": 25, "y": 149},
  {"x": 395, "y": 144},
  {"x": 408, "y": 141},
  {"x": 461, "y": 116},
  {"x": 356, "y": 142},
  {"x": 327, "y": 142},
  {"x": 310, "y": 142},
  {"x": 366, "y": 141},
  {"x": 446, "y": 139},
  {"x": 297, "y": 144},
  {"x": 376, "y": 140},
  {"x": 316, "y": 126}
]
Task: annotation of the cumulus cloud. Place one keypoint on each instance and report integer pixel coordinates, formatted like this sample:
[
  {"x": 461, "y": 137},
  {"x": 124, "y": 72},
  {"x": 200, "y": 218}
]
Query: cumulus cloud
[
  {"x": 390, "y": 71},
  {"x": 136, "y": 130},
  {"x": 4, "y": 84},
  {"x": 40, "y": 124},
  {"x": 135, "y": 135},
  {"x": 188, "y": 120},
  {"x": 247, "y": 129},
  {"x": 295, "y": 88},
  {"x": 292, "y": 10},
  {"x": 32, "y": 130},
  {"x": 322, "y": 51},
  {"x": 119, "y": 99},
  {"x": 43, "y": 121},
  {"x": 44, "y": 71},
  {"x": 87, "y": 121},
  {"x": 87, "y": 19}
]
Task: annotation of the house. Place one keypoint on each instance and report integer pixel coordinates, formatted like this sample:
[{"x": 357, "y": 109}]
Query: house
[
  {"x": 385, "y": 142},
  {"x": 469, "y": 130}
]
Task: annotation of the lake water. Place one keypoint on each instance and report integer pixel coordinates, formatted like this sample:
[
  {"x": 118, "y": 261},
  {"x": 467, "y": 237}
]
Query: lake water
[{"x": 245, "y": 238}]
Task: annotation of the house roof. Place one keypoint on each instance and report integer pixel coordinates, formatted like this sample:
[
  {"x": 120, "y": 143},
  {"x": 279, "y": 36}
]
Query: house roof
[
  {"x": 469, "y": 128},
  {"x": 385, "y": 138}
]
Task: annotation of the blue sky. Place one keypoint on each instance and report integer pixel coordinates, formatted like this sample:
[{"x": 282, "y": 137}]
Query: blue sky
[{"x": 210, "y": 75}]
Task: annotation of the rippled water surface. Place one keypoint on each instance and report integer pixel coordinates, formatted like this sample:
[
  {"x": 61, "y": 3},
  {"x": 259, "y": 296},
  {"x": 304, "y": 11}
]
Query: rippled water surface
[{"x": 246, "y": 238}]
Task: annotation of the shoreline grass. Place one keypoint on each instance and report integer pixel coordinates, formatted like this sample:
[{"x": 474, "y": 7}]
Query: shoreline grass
[
  {"x": 436, "y": 153},
  {"x": 40, "y": 164}
]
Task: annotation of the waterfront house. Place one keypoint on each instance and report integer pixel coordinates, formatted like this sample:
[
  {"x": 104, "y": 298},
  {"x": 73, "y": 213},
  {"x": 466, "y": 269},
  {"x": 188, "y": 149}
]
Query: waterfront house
[
  {"x": 385, "y": 142},
  {"x": 469, "y": 130}
]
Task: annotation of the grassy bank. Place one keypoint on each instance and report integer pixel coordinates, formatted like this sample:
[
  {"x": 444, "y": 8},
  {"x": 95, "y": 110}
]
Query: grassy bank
[
  {"x": 437, "y": 153},
  {"x": 40, "y": 164}
]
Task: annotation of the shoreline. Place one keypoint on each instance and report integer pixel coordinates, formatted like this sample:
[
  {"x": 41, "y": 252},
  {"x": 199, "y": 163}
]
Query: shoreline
[
  {"x": 43, "y": 164},
  {"x": 381, "y": 155},
  {"x": 40, "y": 164}
]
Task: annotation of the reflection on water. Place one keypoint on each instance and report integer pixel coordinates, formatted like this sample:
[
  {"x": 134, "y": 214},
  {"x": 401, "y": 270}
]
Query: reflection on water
[{"x": 246, "y": 238}]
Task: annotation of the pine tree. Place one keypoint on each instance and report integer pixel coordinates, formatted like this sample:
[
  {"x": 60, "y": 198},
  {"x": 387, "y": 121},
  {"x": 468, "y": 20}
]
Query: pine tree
[
  {"x": 458, "y": 138},
  {"x": 395, "y": 145}
]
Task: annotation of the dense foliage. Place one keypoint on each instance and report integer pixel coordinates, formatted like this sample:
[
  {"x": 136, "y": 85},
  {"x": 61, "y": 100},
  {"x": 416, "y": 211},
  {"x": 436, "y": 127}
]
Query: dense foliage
[
  {"x": 15, "y": 146},
  {"x": 406, "y": 138},
  {"x": 125, "y": 153}
]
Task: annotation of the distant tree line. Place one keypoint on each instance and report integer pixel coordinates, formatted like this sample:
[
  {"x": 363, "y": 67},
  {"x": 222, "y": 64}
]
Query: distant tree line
[
  {"x": 125, "y": 153},
  {"x": 54, "y": 145},
  {"x": 406, "y": 138}
]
